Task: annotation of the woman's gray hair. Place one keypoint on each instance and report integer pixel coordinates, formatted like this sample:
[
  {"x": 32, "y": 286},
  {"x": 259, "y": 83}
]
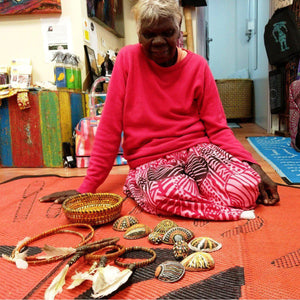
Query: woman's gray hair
[{"x": 151, "y": 10}]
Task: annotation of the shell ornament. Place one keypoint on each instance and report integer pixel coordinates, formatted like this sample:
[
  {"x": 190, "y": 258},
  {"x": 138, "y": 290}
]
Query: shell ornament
[
  {"x": 177, "y": 234},
  {"x": 123, "y": 223},
  {"x": 198, "y": 261},
  {"x": 155, "y": 238},
  {"x": 163, "y": 226},
  {"x": 169, "y": 271},
  {"x": 137, "y": 231},
  {"x": 204, "y": 244},
  {"x": 181, "y": 250}
]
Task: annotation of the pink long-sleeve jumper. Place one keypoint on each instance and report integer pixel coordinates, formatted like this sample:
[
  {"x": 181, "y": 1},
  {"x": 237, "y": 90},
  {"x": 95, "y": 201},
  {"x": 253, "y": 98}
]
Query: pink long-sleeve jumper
[{"x": 160, "y": 110}]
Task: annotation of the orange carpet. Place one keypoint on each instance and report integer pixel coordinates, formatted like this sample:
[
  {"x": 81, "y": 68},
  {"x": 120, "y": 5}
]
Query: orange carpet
[{"x": 260, "y": 258}]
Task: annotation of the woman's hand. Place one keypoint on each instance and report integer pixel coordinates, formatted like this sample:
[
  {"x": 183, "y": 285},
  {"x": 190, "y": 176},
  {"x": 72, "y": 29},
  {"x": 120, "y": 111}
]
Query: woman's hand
[
  {"x": 267, "y": 187},
  {"x": 59, "y": 197}
]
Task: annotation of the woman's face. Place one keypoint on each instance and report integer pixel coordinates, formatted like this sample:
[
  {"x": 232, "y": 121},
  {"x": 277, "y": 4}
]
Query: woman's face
[{"x": 159, "y": 41}]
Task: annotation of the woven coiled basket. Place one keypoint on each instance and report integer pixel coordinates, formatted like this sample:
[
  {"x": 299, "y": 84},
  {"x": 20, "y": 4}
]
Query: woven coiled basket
[
  {"x": 93, "y": 209},
  {"x": 237, "y": 97}
]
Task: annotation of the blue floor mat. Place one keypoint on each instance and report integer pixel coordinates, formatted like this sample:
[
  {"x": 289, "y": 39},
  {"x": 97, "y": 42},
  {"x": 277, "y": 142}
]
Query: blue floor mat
[
  {"x": 233, "y": 125},
  {"x": 280, "y": 155}
]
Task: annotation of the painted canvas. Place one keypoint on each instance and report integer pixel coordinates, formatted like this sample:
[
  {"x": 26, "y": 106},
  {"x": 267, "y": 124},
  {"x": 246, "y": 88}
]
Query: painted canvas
[
  {"x": 20, "y": 7},
  {"x": 108, "y": 13}
]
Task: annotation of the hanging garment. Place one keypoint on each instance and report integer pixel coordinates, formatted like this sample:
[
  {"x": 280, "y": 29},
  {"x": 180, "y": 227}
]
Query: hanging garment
[
  {"x": 294, "y": 100},
  {"x": 282, "y": 37}
]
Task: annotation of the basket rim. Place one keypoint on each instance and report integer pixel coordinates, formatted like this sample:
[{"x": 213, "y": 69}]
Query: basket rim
[
  {"x": 233, "y": 79},
  {"x": 71, "y": 199}
]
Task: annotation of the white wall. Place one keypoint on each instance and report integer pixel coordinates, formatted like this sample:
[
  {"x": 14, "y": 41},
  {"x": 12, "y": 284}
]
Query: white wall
[
  {"x": 228, "y": 50},
  {"x": 130, "y": 26},
  {"x": 21, "y": 37},
  {"x": 259, "y": 67}
]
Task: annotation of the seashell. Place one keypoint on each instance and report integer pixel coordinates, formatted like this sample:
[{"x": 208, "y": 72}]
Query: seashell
[
  {"x": 181, "y": 250},
  {"x": 198, "y": 261},
  {"x": 163, "y": 226},
  {"x": 155, "y": 238},
  {"x": 176, "y": 234},
  {"x": 204, "y": 244},
  {"x": 169, "y": 271},
  {"x": 123, "y": 223},
  {"x": 137, "y": 231}
]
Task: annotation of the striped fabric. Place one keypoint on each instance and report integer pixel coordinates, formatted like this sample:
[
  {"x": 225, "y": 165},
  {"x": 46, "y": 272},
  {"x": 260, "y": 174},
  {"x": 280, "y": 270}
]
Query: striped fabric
[
  {"x": 85, "y": 135},
  {"x": 203, "y": 182}
]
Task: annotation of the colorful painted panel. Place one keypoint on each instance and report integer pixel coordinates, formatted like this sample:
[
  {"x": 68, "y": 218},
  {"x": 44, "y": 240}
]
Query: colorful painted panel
[
  {"x": 76, "y": 101},
  {"x": 33, "y": 137},
  {"x": 5, "y": 138},
  {"x": 50, "y": 129},
  {"x": 25, "y": 133},
  {"x": 65, "y": 117},
  {"x": 19, "y": 7}
]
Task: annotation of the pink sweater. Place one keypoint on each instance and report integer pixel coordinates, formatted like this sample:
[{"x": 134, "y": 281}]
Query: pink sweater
[{"x": 161, "y": 110}]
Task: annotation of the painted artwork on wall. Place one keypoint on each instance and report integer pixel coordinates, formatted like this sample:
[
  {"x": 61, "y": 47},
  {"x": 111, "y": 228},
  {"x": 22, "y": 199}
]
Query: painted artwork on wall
[
  {"x": 20, "y": 7},
  {"x": 108, "y": 13}
]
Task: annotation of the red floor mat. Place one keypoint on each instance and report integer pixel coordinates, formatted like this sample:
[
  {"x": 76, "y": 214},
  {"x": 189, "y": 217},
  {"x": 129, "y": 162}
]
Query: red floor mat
[{"x": 259, "y": 259}]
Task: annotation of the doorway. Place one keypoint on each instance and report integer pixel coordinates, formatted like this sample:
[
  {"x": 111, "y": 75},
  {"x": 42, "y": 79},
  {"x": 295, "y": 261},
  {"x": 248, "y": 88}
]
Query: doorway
[{"x": 232, "y": 32}]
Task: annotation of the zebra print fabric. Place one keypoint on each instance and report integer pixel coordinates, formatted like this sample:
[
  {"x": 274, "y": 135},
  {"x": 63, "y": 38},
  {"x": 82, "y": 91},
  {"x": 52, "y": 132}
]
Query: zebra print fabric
[{"x": 202, "y": 182}]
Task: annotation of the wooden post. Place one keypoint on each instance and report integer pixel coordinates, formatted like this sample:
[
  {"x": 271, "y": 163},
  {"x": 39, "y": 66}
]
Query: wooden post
[{"x": 187, "y": 12}]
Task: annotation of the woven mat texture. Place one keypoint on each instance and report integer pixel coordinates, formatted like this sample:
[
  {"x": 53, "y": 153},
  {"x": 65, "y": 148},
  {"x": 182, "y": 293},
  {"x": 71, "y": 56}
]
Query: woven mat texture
[{"x": 260, "y": 258}]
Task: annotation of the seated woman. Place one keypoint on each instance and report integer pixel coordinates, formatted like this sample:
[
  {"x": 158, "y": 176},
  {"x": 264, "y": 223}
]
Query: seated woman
[{"x": 183, "y": 158}]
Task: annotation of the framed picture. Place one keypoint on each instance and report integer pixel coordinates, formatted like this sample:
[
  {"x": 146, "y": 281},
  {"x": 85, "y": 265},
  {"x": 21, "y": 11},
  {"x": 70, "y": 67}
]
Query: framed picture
[
  {"x": 108, "y": 13},
  {"x": 91, "y": 61},
  {"x": 20, "y": 7}
]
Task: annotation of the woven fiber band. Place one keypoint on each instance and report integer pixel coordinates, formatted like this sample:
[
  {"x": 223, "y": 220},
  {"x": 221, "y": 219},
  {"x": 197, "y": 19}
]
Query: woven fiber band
[
  {"x": 73, "y": 232},
  {"x": 139, "y": 264},
  {"x": 110, "y": 252},
  {"x": 94, "y": 209},
  {"x": 92, "y": 247},
  {"x": 60, "y": 229}
]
